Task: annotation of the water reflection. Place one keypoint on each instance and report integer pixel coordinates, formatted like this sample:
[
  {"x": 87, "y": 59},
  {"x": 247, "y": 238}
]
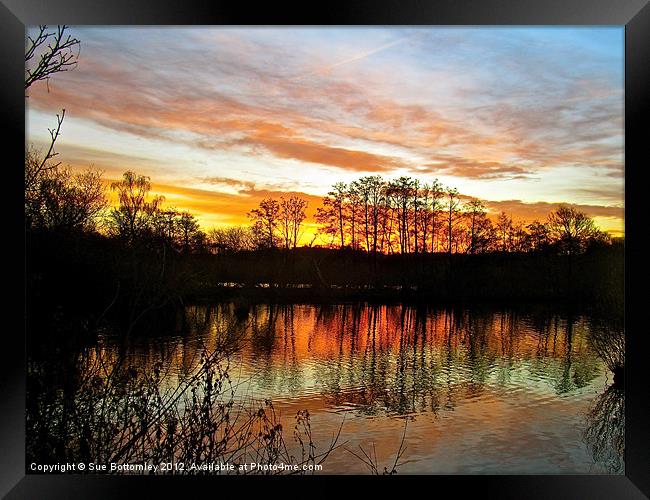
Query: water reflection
[
  {"x": 605, "y": 432},
  {"x": 522, "y": 380}
]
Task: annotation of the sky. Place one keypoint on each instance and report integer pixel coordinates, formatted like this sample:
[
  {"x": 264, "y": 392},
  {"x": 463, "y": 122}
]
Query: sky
[{"x": 222, "y": 117}]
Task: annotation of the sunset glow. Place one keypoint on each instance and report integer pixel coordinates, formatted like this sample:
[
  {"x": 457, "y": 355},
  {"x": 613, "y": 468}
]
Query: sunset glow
[{"x": 220, "y": 118}]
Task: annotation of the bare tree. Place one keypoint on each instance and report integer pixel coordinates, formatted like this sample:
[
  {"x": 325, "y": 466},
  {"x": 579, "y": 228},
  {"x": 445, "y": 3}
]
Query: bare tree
[
  {"x": 164, "y": 224},
  {"x": 386, "y": 218},
  {"x": 55, "y": 50},
  {"x": 538, "y": 236},
  {"x": 47, "y": 53},
  {"x": 519, "y": 240},
  {"x": 35, "y": 164},
  {"x": 437, "y": 194},
  {"x": 292, "y": 215},
  {"x": 59, "y": 199},
  {"x": 265, "y": 221},
  {"x": 134, "y": 212},
  {"x": 189, "y": 229},
  {"x": 504, "y": 225},
  {"x": 475, "y": 211},
  {"x": 370, "y": 189},
  {"x": 452, "y": 212},
  {"x": 353, "y": 213},
  {"x": 231, "y": 239},
  {"x": 401, "y": 192},
  {"x": 330, "y": 216},
  {"x": 415, "y": 203},
  {"x": 571, "y": 229}
]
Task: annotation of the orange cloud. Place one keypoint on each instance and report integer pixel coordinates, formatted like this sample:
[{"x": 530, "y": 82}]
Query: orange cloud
[
  {"x": 295, "y": 127},
  {"x": 258, "y": 99},
  {"x": 313, "y": 152},
  {"x": 461, "y": 167}
]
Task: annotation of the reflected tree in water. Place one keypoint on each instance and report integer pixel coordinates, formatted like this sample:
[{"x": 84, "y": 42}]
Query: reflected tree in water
[
  {"x": 106, "y": 406},
  {"x": 608, "y": 339},
  {"x": 605, "y": 433},
  {"x": 374, "y": 360}
]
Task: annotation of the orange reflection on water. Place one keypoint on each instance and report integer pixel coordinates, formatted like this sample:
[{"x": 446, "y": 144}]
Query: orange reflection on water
[{"x": 474, "y": 384}]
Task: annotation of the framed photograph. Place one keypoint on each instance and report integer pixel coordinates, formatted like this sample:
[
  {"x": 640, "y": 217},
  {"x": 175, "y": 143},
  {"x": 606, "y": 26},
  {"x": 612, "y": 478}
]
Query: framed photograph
[{"x": 394, "y": 238}]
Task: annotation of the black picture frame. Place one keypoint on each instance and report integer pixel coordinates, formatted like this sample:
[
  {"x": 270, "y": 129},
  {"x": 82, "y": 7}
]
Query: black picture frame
[{"x": 634, "y": 14}]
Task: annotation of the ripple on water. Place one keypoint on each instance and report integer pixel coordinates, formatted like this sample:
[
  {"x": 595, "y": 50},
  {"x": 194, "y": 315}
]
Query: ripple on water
[{"x": 481, "y": 391}]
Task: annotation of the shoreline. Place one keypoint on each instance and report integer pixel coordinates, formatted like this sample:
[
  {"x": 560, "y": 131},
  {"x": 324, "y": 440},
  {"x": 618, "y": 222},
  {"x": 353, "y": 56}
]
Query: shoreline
[{"x": 244, "y": 296}]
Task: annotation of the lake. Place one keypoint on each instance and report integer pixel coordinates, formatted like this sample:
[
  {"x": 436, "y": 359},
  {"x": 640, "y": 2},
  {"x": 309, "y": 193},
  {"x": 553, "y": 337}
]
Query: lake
[{"x": 463, "y": 390}]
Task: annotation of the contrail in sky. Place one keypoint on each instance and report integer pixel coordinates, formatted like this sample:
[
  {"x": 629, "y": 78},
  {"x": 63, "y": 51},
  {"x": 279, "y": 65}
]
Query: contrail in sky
[{"x": 357, "y": 57}]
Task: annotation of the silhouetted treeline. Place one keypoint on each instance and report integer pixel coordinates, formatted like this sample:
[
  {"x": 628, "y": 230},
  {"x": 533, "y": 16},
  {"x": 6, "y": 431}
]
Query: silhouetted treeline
[
  {"x": 139, "y": 258},
  {"x": 87, "y": 261},
  {"x": 407, "y": 216},
  {"x": 376, "y": 216}
]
